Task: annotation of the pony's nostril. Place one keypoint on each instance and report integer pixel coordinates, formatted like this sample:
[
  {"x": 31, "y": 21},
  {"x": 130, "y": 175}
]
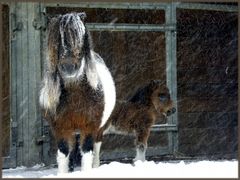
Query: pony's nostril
[{"x": 173, "y": 110}]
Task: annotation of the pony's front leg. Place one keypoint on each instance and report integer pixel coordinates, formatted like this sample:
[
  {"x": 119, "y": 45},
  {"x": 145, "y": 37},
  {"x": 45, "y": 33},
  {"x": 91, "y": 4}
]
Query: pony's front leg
[
  {"x": 87, "y": 153},
  {"x": 97, "y": 146},
  {"x": 63, "y": 154}
]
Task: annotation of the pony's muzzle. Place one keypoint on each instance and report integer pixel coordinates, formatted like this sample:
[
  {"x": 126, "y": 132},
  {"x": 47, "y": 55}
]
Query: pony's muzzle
[{"x": 68, "y": 68}]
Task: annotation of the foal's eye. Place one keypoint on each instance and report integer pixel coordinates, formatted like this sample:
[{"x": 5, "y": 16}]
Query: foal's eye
[{"x": 162, "y": 97}]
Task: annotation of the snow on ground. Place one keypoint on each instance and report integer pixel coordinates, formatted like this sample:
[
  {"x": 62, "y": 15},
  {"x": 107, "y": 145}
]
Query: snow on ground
[{"x": 147, "y": 169}]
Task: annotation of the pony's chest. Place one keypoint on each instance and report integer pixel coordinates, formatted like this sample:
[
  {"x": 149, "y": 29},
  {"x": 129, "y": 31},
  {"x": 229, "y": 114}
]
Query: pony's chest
[{"x": 80, "y": 98}]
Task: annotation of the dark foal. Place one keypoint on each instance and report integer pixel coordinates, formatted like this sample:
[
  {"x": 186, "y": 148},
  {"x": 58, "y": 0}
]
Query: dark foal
[{"x": 136, "y": 116}]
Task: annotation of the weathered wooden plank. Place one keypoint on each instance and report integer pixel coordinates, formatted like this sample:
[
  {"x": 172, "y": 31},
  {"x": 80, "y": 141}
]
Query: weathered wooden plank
[
  {"x": 207, "y": 120},
  {"x": 34, "y": 61},
  {"x": 206, "y": 74},
  {"x": 24, "y": 116},
  {"x": 13, "y": 89},
  {"x": 209, "y": 104},
  {"x": 198, "y": 90},
  {"x": 5, "y": 80},
  {"x": 26, "y": 66},
  {"x": 18, "y": 79}
]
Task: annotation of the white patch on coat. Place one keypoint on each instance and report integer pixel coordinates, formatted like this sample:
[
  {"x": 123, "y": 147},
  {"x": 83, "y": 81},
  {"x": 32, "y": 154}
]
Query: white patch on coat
[
  {"x": 96, "y": 154},
  {"x": 104, "y": 76},
  {"x": 92, "y": 74},
  {"x": 62, "y": 161},
  {"x": 50, "y": 93},
  {"x": 87, "y": 161}
]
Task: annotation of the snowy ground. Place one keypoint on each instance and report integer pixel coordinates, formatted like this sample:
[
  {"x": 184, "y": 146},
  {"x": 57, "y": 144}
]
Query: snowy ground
[{"x": 148, "y": 169}]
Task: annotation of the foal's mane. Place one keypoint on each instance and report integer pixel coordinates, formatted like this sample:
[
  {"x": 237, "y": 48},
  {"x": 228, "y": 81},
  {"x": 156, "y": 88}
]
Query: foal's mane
[{"x": 142, "y": 95}]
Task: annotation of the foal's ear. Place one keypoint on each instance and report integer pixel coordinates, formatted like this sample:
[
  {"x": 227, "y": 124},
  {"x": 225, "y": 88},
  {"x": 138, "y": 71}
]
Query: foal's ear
[
  {"x": 82, "y": 15},
  {"x": 153, "y": 83}
]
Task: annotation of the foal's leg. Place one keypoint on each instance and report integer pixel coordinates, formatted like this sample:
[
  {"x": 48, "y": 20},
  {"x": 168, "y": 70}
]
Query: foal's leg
[
  {"x": 87, "y": 153},
  {"x": 141, "y": 145}
]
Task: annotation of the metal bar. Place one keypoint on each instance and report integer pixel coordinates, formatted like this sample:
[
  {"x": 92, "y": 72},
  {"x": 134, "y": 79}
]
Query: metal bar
[
  {"x": 125, "y": 154},
  {"x": 215, "y": 7},
  {"x": 171, "y": 71},
  {"x": 107, "y": 5},
  {"x": 164, "y": 127},
  {"x": 212, "y": 7},
  {"x": 130, "y": 27},
  {"x": 174, "y": 76}
]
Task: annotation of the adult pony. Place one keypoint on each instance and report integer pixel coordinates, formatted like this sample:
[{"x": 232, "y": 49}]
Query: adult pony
[{"x": 78, "y": 92}]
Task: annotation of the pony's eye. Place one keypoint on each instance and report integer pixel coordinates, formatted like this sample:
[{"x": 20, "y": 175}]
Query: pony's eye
[{"x": 162, "y": 97}]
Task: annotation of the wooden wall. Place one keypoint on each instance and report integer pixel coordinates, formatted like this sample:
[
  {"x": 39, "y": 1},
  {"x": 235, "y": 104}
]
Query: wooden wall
[
  {"x": 207, "y": 83},
  {"x": 25, "y": 82}
]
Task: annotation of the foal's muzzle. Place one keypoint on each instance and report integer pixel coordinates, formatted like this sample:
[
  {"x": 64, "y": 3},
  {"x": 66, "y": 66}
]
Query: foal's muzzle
[{"x": 171, "y": 111}]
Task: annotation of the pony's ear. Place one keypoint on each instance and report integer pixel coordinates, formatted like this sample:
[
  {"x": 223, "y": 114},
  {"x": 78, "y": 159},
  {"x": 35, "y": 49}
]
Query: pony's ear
[{"x": 82, "y": 15}]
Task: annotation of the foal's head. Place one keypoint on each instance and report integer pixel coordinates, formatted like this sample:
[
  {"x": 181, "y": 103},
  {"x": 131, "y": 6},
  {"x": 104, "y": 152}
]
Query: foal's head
[{"x": 161, "y": 99}]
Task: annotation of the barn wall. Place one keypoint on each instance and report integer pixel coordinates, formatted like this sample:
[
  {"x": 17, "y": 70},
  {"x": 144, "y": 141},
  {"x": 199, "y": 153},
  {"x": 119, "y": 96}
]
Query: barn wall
[{"x": 207, "y": 83}]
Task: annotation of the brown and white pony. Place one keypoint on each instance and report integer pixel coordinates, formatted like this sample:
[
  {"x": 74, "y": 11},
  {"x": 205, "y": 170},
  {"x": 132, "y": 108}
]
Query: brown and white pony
[{"x": 78, "y": 91}]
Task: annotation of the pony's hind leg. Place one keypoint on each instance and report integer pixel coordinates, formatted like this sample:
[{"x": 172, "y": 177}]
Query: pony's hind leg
[
  {"x": 96, "y": 155},
  {"x": 72, "y": 160},
  {"x": 87, "y": 153},
  {"x": 97, "y": 147}
]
